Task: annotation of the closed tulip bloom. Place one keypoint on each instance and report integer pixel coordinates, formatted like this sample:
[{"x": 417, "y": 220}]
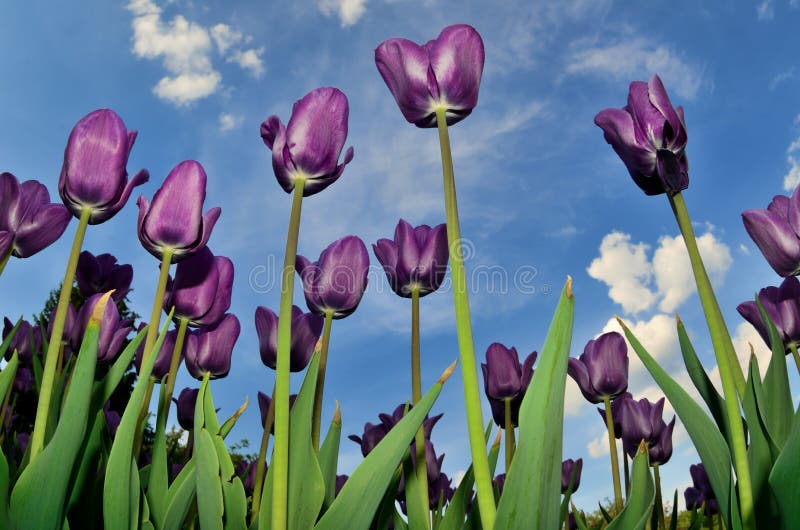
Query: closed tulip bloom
[
  {"x": 175, "y": 221},
  {"x": 373, "y": 434},
  {"x": 661, "y": 450},
  {"x": 567, "y": 466},
  {"x": 602, "y": 369},
  {"x": 27, "y": 340},
  {"x": 617, "y": 410},
  {"x": 163, "y": 357},
  {"x": 649, "y": 135},
  {"x": 100, "y": 274},
  {"x": 184, "y": 406},
  {"x": 201, "y": 290},
  {"x": 264, "y": 402},
  {"x": 415, "y": 259},
  {"x": 306, "y": 329},
  {"x": 782, "y": 304},
  {"x": 72, "y": 335},
  {"x": 94, "y": 174},
  {"x": 504, "y": 378},
  {"x": 776, "y": 232},
  {"x": 701, "y": 491},
  {"x": 308, "y": 147},
  {"x": 113, "y": 330},
  {"x": 209, "y": 350},
  {"x": 445, "y": 72},
  {"x": 336, "y": 282},
  {"x": 29, "y": 222},
  {"x": 340, "y": 481},
  {"x": 642, "y": 420}
]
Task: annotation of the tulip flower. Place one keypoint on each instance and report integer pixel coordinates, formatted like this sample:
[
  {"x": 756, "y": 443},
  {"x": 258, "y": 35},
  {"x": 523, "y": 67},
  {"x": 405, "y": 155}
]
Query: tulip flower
[
  {"x": 306, "y": 330},
  {"x": 616, "y": 412},
  {"x": 113, "y": 419},
  {"x": 505, "y": 379},
  {"x": 700, "y": 492},
  {"x": 113, "y": 330},
  {"x": 174, "y": 221},
  {"x": 246, "y": 471},
  {"x": 661, "y": 450},
  {"x": 185, "y": 407},
  {"x": 340, "y": 481},
  {"x": 567, "y": 466},
  {"x": 23, "y": 380},
  {"x": 642, "y": 420},
  {"x": 335, "y": 282},
  {"x": 373, "y": 434},
  {"x": 72, "y": 333},
  {"x": 649, "y": 135},
  {"x": 201, "y": 290},
  {"x": 29, "y": 222},
  {"x": 100, "y": 274},
  {"x": 416, "y": 259},
  {"x": 208, "y": 350},
  {"x": 776, "y": 232},
  {"x": 308, "y": 147},
  {"x": 602, "y": 369},
  {"x": 27, "y": 340},
  {"x": 264, "y": 402},
  {"x": 163, "y": 356},
  {"x": 443, "y": 73},
  {"x": 782, "y": 304}
]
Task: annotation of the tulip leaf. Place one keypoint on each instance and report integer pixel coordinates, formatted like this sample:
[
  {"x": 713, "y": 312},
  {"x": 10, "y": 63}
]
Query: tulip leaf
[
  {"x": 226, "y": 427},
  {"x": 416, "y": 509},
  {"x": 532, "y": 489},
  {"x": 84, "y": 479},
  {"x": 118, "y": 497},
  {"x": 9, "y": 337},
  {"x": 386, "y": 510},
  {"x": 779, "y": 409},
  {"x": 328, "y": 459},
  {"x": 673, "y": 522},
  {"x": 235, "y": 501},
  {"x": 40, "y": 494},
  {"x": 707, "y": 439},
  {"x": 457, "y": 507},
  {"x": 209, "y": 489},
  {"x": 179, "y": 498},
  {"x": 157, "y": 481},
  {"x": 783, "y": 478},
  {"x": 116, "y": 372},
  {"x": 7, "y": 379},
  {"x": 643, "y": 493},
  {"x": 357, "y": 502},
  {"x": 5, "y": 520}
]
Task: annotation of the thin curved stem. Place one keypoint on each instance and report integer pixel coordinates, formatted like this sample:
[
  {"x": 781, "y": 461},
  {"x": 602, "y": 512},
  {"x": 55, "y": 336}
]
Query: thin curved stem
[
  {"x": 262, "y": 457},
  {"x": 4, "y": 260},
  {"x": 793, "y": 347},
  {"x": 51, "y": 357},
  {"x": 323, "y": 364},
  {"x": 509, "y": 429},
  {"x": 175, "y": 363},
  {"x": 416, "y": 395},
  {"x": 659, "y": 503},
  {"x": 612, "y": 446}
]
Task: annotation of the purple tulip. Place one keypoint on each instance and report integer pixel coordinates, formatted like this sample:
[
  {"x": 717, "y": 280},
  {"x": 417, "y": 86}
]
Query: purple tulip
[
  {"x": 340, "y": 481},
  {"x": 27, "y": 341},
  {"x": 701, "y": 491},
  {"x": 175, "y": 221},
  {"x": 416, "y": 259},
  {"x": 498, "y": 482},
  {"x": 649, "y": 135},
  {"x": 602, "y": 369},
  {"x": 776, "y": 232},
  {"x": 23, "y": 380},
  {"x": 306, "y": 329},
  {"x": 72, "y": 335},
  {"x": 246, "y": 471},
  {"x": 373, "y": 434},
  {"x": 782, "y": 304},
  {"x": 336, "y": 282},
  {"x": 29, "y": 222},
  {"x": 642, "y": 420},
  {"x": 94, "y": 173},
  {"x": 567, "y": 466},
  {"x": 661, "y": 450},
  {"x": 617, "y": 410},
  {"x": 113, "y": 330},
  {"x": 504, "y": 378},
  {"x": 100, "y": 274},
  {"x": 163, "y": 356},
  {"x": 445, "y": 72},
  {"x": 438, "y": 483},
  {"x": 209, "y": 350},
  {"x": 440, "y": 490},
  {"x": 201, "y": 290},
  {"x": 263, "y": 408},
  {"x": 308, "y": 147},
  {"x": 113, "y": 420},
  {"x": 184, "y": 406}
]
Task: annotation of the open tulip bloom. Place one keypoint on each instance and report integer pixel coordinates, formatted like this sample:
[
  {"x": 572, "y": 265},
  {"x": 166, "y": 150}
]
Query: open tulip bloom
[{"x": 100, "y": 274}]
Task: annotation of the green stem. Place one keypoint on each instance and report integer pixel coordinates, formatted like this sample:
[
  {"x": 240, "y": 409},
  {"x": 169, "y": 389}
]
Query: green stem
[
  {"x": 323, "y": 363},
  {"x": 796, "y": 356},
  {"x": 469, "y": 373},
  {"x": 51, "y": 357},
  {"x": 280, "y": 458},
  {"x": 509, "y": 429},
  {"x": 627, "y": 474},
  {"x": 416, "y": 395},
  {"x": 612, "y": 447},
  {"x": 5, "y": 259},
  {"x": 175, "y": 363},
  {"x": 262, "y": 457},
  {"x": 729, "y": 369},
  {"x": 659, "y": 504}
]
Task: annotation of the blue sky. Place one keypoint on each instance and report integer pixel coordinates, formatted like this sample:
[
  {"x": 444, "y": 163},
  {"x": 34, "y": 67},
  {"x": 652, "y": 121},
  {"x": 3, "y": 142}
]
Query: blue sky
[{"x": 541, "y": 194}]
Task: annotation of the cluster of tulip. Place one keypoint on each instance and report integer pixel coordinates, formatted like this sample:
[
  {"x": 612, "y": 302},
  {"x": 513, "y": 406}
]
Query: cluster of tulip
[{"x": 85, "y": 445}]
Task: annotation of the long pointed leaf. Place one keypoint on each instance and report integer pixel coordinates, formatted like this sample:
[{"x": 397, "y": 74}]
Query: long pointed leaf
[
  {"x": 779, "y": 409},
  {"x": 643, "y": 493},
  {"x": 783, "y": 478},
  {"x": 329, "y": 456}
]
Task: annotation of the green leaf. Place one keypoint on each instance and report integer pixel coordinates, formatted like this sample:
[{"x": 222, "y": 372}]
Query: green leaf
[
  {"x": 673, "y": 522},
  {"x": 103, "y": 389},
  {"x": 179, "y": 497},
  {"x": 40, "y": 494},
  {"x": 358, "y": 500},
  {"x": 158, "y": 479},
  {"x": 82, "y": 480},
  {"x": 643, "y": 493},
  {"x": 779, "y": 409},
  {"x": 417, "y": 511},
  {"x": 783, "y": 478},
  {"x": 235, "y": 505},
  {"x": 9, "y": 337},
  {"x": 532, "y": 491},
  {"x": 118, "y": 498},
  {"x": 329, "y": 456},
  {"x": 710, "y": 445},
  {"x": 230, "y": 422},
  {"x": 7, "y": 379},
  {"x": 5, "y": 520},
  {"x": 209, "y": 488},
  {"x": 386, "y": 510}
]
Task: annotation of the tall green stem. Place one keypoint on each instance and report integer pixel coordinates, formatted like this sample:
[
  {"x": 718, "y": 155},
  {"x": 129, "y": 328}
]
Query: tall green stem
[
  {"x": 612, "y": 447},
  {"x": 51, "y": 357},
  {"x": 262, "y": 457},
  {"x": 729, "y": 369},
  {"x": 280, "y": 458},
  {"x": 659, "y": 503},
  {"x": 174, "y": 363},
  {"x": 4, "y": 260},
  {"x": 627, "y": 474},
  {"x": 469, "y": 373},
  {"x": 323, "y": 364},
  {"x": 509, "y": 429},
  {"x": 416, "y": 395},
  {"x": 793, "y": 347}
]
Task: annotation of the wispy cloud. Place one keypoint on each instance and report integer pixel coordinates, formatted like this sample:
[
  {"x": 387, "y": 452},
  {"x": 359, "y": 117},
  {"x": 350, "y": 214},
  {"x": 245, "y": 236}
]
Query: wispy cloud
[
  {"x": 229, "y": 122},
  {"x": 781, "y": 78},
  {"x": 765, "y": 10},
  {"x": 792, "y": 177},
  {"x": 348, "y": 11}
]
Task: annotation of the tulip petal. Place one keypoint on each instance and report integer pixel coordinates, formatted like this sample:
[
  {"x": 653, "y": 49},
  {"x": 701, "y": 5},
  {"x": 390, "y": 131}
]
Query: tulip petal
[
  {"x": 41, "y": 230},
  {"x": 9, "y": 201},
  {"x": 317, "y": 131},
  {"x": 578, "y": 372},
  {"x": 267, "y": 331},
  {"x": 775, "y": 238},
  {"x": 457, "y": 58},
  {"x": 100, "y": 215},
  {"x": 404, "y": 67},
  {"x": 407, "y": 251},
  {"x": 223, "y": 295},
  {"x": 660, "y": 100},
  {"x": 749, "y": 311}
]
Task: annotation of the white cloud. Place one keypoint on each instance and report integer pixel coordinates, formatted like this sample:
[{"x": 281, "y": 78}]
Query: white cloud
[
  {"x": 624, "y": 267},
  {"x": 765, "y": 10},
  {"x": 598, "y": 447},
  {"x": 747, "y": 341},
  {"x": 185, "y": 49},
  {"x": 792, "y": 178},
  {"x": 348, "y": 11},
  {"x": 637, "y": 57},
  {"x": 228, "y": 122},
  {"x": 781, "y": 77}
]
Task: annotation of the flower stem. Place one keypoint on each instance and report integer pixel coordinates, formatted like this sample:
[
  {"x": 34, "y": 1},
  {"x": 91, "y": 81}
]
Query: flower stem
[
  {"x": 627, "y": 474},
  {"x": 51, "y": 357},
  {"x": 659, "y": 503},
  {"x": 175, "y": 363},
  {"x": 612, "y": 446},
  {"x": 793, "y": 347},
  {"x": 4, "y": 259},
  {"x": 509, "y": 428},
  {"x": 469, "y": 373},
  {"x": 280, "y": 458},
  {"x": 729, "y": 368},
  {"x": 323, "y": 363},
  {"x": 262, "y": 457},
  {"x": 416, "y": 395}
]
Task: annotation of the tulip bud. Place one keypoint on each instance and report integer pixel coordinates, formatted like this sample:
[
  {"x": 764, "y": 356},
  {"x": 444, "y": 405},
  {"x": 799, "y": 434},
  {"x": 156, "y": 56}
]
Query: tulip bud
[
  {"x": 505, "y": 379},
  {"x": 602, "y": 369},
  {"x": 567, "y": 466},
  {"x": 185, "y": 407},
  {"x": 782, "y": 304},
  {"x": 209, "y": 350},
  {"x": 202, "y": 288},
  {"x": 306, "y": 329}
]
